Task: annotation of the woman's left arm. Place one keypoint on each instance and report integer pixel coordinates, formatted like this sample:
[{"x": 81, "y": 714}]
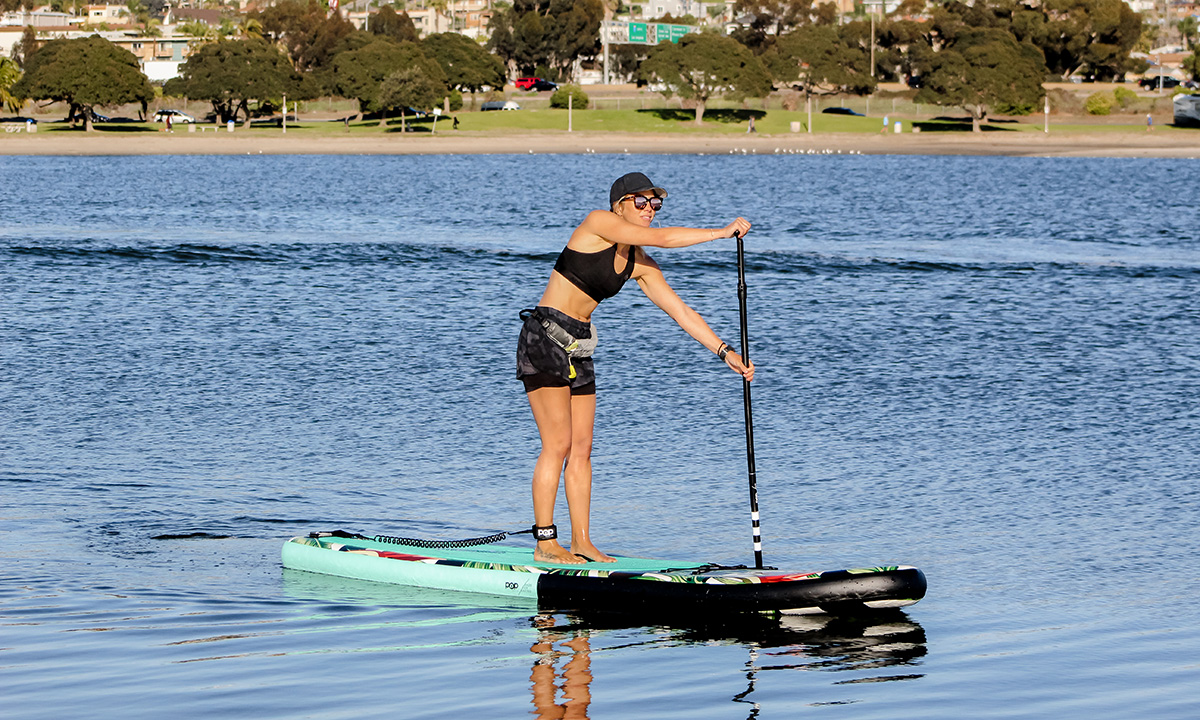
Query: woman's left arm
[{"x": 650, "y": 279}]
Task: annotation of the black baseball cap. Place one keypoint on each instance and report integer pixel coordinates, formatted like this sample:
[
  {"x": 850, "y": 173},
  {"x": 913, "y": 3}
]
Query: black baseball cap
[{"x": 634, "y": 182}]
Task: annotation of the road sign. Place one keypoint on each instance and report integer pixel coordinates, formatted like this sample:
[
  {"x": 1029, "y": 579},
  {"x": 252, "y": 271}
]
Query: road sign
[{"x": 634, "y": 33}]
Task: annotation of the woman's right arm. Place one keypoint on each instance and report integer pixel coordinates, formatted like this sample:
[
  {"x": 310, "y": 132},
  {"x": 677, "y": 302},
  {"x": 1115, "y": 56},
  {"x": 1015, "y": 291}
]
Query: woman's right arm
[{"x": 615, "y": 229}]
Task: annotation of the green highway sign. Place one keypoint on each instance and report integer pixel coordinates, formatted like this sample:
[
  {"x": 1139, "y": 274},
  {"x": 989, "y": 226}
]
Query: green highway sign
[{"x": 635, "y": 33}]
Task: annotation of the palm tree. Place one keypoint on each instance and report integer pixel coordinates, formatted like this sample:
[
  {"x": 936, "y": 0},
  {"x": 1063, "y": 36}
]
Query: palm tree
[
  {"x": 440, "y": 8},
  {"x": 152, "y": 28},
  {"x": 1189, "y": 27},
  {"x": 252, "y": 29},
  {"x": 197, "y": 30},
  {"x": 9, "y": 75},
  {"x": 228, "y": 28}
]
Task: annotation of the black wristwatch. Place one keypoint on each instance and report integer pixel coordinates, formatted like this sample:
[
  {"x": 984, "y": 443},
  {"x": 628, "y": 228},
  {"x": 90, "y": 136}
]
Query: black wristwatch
[{"x": 723, "y": 350}]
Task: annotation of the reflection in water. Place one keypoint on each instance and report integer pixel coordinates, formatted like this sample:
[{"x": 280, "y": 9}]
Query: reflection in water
[
  {"x": 834, "y": 644},
  {"x": 879, "y": 644},
  {"x": 572, "y": 643}
]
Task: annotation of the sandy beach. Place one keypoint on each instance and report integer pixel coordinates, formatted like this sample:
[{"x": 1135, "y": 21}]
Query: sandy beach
[{"x": 1161, "y": 144}]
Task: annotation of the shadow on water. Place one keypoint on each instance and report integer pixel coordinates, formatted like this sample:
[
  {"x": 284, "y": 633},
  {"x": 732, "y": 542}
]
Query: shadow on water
[{"x": 875, "y": 647}]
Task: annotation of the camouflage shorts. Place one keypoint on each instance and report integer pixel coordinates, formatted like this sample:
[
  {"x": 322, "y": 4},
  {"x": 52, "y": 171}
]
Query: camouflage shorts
[{"x": 542, "y": 363}]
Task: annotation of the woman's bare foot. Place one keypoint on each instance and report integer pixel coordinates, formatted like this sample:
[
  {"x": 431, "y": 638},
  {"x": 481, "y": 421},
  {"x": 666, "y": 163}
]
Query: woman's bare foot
[
  {"x": 590, "y": 553},
  {"x": 550, "y": 551}
]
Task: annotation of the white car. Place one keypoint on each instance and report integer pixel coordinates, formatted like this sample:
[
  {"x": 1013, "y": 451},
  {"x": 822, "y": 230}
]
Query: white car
[
  {"x": 500, "y": 105},
  {"x": 175, "y": 115}
]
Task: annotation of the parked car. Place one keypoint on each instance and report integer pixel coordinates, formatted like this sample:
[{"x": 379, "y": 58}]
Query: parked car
[
  {"x": 175, "y": 115},
  {"x": 500, "y": 105},
  {"x": 96, "y": 117},
  {"x": 841, "y": 111},
  {"x": 534, "y": 83},
  {"x": 1151, "y": 82}
]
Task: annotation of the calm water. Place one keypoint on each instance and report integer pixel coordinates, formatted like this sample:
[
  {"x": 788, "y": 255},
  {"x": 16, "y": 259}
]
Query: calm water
[{"x": 986, "y": 367}]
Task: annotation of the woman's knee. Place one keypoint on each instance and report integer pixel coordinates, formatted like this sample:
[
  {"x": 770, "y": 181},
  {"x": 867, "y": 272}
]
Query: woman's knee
[
  {"x": 581, "y": 447},
  {"x": 557, "y": 448}
]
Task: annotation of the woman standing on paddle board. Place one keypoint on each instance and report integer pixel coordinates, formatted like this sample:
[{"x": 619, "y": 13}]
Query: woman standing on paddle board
[{"x": 557, "y": 340}]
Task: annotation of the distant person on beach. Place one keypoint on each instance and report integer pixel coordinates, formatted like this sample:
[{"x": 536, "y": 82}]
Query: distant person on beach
[
  {"x": 751, "y": 129},
  {"x": 1149, "y": 122},
  {"x": 554, "y": 353}
]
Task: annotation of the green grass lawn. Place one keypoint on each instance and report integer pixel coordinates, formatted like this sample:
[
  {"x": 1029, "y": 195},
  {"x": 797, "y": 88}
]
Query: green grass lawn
[
  {"x": 655, "y": 120},
  {"x": 663, "y": 120}
]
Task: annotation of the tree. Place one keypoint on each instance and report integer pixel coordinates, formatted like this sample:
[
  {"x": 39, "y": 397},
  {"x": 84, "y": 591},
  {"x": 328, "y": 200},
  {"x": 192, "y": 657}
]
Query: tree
[
  {"x": 84, "y": 73},
  {"x": 701, "y": 66},
  {"x": 359, "y": 73},
  {"x": 26, "y": 46},
  {"x": 9, "y": 75},
  {"x": 1090, "y": 36},
  {"x": 982, "y": 69},
  {"x": 574, "y": 33},
  {"x": 772, "y": 19},
  {"x": 141, "y": 15},
  {"x": 397, "y": 26},
  {"x": 821, "y": 62},
  {"x": 893, "y": 41},
  {"x": 410, "y": 87},
  {"x": 310, "y": 35},
  {"x": 553, "y": 33},
  {"x": 1191, "y": 63},
  {"x": 1189, "y": 28},
  {"x": 198, "y": 30},
  {"x": 502, "y": 42},
  {"x": 467, "y": 65},
  {"x": 232, "y": 73},
  {"x": 569, "y": 96},
  {"x": 251, "y": 29}
]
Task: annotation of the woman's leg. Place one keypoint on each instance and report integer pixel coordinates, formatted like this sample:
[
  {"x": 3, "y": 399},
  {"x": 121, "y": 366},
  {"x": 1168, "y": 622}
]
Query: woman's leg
[
  {"x": 552, "y": 412},
  {"x": 579, "y": 477}
]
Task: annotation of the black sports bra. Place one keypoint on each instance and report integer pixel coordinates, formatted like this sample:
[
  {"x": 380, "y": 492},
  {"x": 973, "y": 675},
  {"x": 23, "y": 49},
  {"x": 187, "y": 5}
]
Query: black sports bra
[{"x": 593, "y": 272}]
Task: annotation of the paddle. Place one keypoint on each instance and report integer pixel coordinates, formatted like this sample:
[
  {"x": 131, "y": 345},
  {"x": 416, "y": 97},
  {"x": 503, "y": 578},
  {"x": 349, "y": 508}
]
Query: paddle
[{"x": 741, "y": 289}]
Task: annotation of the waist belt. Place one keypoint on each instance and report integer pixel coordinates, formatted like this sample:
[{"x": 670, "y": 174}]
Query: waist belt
[{"x": 574, "y": 347}]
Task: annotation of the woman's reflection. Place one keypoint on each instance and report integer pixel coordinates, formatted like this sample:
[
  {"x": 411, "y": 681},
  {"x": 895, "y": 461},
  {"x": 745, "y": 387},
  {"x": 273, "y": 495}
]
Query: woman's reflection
[
  {"x": 553, "y": 646},
  {"x": 872, "y": 648}
]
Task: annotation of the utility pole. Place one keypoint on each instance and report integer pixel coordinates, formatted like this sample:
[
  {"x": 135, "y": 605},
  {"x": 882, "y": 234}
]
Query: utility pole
[{"x": 872, "y": 44}]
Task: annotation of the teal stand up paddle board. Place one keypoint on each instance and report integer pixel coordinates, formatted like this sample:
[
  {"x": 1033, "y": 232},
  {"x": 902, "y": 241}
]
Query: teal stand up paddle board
[{"x": 630, "y": 585}]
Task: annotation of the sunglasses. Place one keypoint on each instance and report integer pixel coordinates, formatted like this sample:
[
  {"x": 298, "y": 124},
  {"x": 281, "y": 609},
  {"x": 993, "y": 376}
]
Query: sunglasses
[{"x": 639, "y": 202}]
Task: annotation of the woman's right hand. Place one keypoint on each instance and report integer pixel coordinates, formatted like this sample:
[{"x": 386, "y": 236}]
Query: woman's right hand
[
  {"x": 741, "y": 226},
  {"x": 734, "y": 361}
]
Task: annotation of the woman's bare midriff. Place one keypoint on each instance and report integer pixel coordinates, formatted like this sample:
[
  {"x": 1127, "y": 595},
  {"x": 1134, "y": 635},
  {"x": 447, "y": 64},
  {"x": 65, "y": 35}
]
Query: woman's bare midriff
[{"x": 563, "y": 296}]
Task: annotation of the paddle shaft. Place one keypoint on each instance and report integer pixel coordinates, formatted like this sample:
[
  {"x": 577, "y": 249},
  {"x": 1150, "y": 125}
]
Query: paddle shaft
[{"x": 741, "y": 289}]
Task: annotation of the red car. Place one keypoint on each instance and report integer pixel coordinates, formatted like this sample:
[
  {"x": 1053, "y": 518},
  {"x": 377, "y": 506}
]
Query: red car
[{"x": 534, "y": 83}]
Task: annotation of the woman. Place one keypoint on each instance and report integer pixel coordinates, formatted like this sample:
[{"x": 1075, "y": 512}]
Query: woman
[{"x": 554, "y": 353}]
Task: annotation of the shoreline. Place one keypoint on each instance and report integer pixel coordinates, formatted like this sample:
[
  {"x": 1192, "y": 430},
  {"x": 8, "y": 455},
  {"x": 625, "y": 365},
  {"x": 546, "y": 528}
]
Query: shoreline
[{"x": 1115, "y": 144}]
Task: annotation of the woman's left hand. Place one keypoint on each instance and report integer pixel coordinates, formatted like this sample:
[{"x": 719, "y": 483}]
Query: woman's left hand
[{"x": 734, "y": 361}]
